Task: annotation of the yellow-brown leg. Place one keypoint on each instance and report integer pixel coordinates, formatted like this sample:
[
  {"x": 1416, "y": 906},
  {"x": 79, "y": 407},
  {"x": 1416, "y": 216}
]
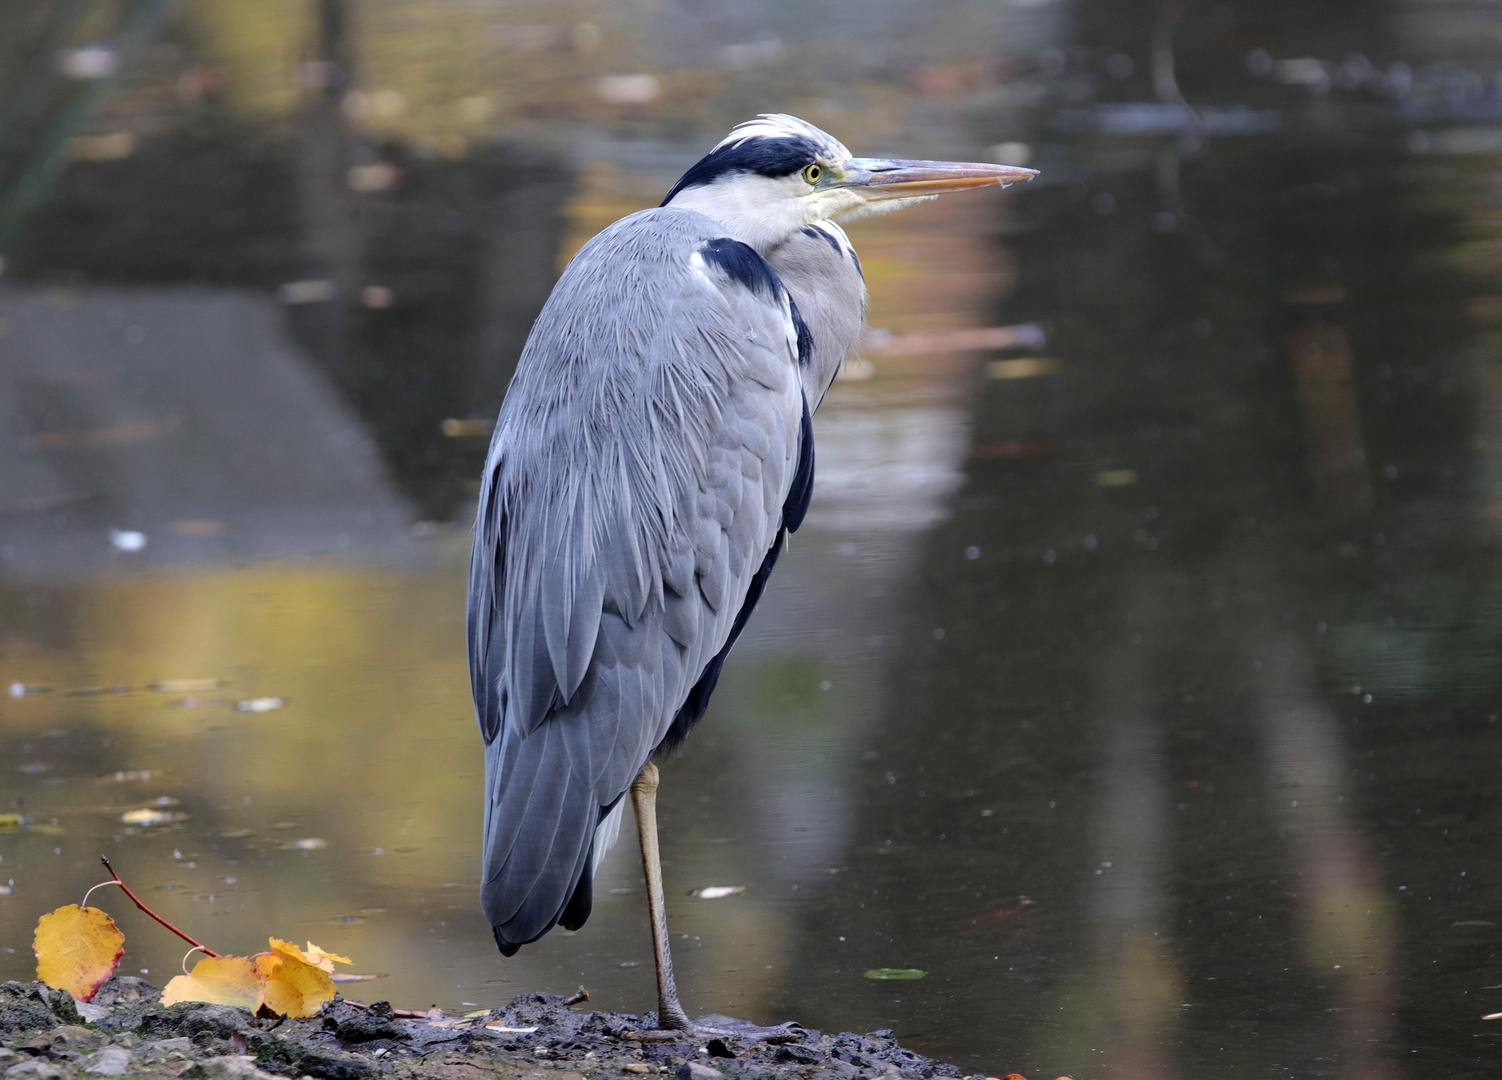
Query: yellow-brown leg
[{"x": 670, "y": 1014}]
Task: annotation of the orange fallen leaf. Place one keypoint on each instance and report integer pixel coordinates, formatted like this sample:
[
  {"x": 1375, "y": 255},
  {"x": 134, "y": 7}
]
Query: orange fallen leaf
[
  {"x": 312, "y": 955},
  {"x": 219, "y": 980},
  {"x": 291, "y": 986},
  {"x": 77, "y": 949}
]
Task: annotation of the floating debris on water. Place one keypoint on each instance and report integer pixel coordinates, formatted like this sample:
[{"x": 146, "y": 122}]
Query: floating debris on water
[
  {"x": 309, "y": 843},
  {"x": 895, "y": 973},
  {"x": 185, "y": 686},
  {"x": 151, "y": 817},
  {"x": 454, "y": 428},
  {"x": 718, "y": 892},
  {"x": 260, "y": 704},
  {"x": 121, "y": 776},
  {"x": 127, "y": 539},
  {"x": 199, "y": 527},
  {"x": 1023, "y": 367}
]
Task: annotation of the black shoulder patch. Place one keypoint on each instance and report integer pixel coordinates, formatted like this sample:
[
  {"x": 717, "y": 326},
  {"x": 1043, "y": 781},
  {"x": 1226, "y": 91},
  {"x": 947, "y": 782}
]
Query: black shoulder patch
[
  {"x": 742, "y": 264},
  {"x": 795, "y": 506},
  {"x": 816, "y": 233},
  {"x": 761, "y": 155},
  {"x": 805, "y": 337},
  {"x": 857, "y": 260}
]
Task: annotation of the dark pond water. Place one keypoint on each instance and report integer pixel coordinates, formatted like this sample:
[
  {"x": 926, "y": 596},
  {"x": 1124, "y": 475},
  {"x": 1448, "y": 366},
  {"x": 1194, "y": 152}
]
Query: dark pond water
[{"x": 1137, "y": 682}]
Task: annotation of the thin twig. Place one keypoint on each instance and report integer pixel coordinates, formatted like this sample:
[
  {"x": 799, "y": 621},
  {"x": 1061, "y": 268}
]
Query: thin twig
[{"x": 137, "y": 901}]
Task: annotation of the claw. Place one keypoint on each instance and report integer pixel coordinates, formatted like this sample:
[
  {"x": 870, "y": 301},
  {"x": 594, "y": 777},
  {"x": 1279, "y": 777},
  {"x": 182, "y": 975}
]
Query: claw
[{"x": 715, "y": 1026}]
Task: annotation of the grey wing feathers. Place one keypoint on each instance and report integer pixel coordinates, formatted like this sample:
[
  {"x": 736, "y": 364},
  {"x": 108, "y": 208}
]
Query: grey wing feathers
[{"x": 634, "y": 485}]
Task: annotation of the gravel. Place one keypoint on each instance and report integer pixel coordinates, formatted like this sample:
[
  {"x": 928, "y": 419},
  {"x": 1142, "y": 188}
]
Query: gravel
[{"x": 125, "y": 1031}]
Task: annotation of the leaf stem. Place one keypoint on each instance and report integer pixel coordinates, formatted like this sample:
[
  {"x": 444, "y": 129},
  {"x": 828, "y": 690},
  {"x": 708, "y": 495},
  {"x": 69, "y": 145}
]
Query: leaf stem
[
  {"x": 189, "y": 953},
  {"x": 137, "y": 901},
  {"x": 90, "y": 893}
]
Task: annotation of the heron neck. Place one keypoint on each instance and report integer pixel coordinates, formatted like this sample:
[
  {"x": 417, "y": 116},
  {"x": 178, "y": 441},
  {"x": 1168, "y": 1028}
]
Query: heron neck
[{"x": 745, "y": 212}]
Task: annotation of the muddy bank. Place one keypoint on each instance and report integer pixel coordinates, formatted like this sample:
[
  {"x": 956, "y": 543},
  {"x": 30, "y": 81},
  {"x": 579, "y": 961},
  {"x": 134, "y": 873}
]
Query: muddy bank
[{"x": 126, "y": 1032}]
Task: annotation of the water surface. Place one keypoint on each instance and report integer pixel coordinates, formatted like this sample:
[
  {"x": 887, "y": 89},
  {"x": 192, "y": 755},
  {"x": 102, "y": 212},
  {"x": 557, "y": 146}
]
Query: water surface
[{"x": 1137, "y": 681}]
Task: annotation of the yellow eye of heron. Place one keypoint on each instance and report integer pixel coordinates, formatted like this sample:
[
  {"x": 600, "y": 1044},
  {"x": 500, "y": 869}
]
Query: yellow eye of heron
[{"x": 812, "y": 174}]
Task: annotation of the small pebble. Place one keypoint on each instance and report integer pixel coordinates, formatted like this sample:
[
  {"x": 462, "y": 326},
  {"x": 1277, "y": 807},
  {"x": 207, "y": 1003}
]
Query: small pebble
[{"x": 111, "y": 1061}]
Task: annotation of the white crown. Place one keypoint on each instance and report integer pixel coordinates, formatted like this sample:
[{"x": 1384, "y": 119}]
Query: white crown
[{"x": 783, "y": 126}]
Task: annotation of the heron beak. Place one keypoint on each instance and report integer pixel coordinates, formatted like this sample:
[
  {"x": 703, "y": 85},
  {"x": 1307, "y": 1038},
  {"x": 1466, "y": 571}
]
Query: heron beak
[{"x": 893, "y": 178}]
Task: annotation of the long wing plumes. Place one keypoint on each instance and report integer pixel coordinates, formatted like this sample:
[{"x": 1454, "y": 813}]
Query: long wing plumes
[{"x": 635, "y": 487}]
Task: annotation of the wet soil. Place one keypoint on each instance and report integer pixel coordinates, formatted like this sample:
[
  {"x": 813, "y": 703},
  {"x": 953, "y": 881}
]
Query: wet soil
[{"x": 127, "y": 1032}]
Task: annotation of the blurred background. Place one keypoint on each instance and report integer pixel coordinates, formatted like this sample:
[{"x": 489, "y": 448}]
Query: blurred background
[{"x": 1135, "y": 675}]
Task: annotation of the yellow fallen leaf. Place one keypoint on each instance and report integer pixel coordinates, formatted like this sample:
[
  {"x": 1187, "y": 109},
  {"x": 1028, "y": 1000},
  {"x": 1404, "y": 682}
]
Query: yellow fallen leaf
[
  {"x": 77, "y": 949},
  {"x": 293, "y": 987},
  {"x": 313, "y": 954},
  {"x": 325, "y": 960},
  {"x": 219, "y": 980}
]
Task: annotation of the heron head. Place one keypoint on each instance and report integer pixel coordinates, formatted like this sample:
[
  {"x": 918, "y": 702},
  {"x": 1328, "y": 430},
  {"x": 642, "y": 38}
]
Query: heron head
[{"x": 773, "y": 175}]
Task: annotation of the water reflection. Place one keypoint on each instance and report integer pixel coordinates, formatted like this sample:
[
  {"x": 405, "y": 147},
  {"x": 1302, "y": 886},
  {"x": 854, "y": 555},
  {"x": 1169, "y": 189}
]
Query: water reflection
[
  {"x": 174, "y": 426},
  {"x": 1147, "y": 693},
  {"x": 1135, "y": 676}
]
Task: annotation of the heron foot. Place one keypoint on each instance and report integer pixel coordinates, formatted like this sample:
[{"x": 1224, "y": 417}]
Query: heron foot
[{"x": 715, "y": 1026}]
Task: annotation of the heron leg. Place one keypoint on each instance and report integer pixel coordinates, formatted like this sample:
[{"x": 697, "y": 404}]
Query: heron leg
[
  {"x": 670, "y": 1014},
  {"x": 672, "y": 1021}
]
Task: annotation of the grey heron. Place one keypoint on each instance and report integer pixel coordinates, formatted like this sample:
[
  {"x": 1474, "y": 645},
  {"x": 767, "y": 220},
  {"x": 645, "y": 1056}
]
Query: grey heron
[{"x": 653, "y": 451}]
